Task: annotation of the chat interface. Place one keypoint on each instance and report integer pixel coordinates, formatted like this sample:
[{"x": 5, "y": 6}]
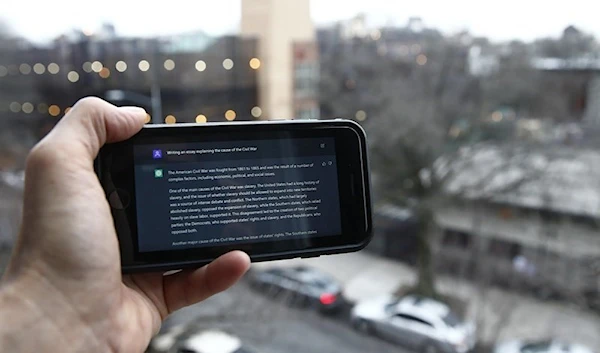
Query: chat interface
[{"x": 192, "y": 195}]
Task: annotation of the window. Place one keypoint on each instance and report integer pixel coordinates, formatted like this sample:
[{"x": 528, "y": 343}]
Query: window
[
  {"x": 536, "y": 347},
  {"x": 413, "y": 319}
]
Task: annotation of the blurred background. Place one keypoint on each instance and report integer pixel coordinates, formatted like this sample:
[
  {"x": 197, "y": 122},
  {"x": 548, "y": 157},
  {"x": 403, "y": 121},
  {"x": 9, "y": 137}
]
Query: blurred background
[{"x": 483, "y": 124}]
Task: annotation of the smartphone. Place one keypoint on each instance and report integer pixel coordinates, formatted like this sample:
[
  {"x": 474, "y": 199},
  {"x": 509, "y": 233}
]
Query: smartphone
[{"x": 181, "y": 195}]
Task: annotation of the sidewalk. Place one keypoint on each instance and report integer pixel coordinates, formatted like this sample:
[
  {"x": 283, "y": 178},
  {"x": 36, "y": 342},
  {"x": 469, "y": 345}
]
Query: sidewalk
[{"x": 365, "y": 276}]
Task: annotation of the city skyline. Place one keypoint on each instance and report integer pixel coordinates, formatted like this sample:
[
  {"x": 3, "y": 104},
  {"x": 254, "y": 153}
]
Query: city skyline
[{"x": 510, "y": 20}]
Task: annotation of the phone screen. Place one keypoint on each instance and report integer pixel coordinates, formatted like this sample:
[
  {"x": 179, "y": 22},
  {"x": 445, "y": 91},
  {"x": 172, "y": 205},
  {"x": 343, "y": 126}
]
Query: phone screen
[{"x": 200, "y": 194}]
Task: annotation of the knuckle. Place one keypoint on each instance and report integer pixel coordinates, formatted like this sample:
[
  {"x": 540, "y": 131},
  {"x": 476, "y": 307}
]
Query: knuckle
[{"x": 89, "y": 104}]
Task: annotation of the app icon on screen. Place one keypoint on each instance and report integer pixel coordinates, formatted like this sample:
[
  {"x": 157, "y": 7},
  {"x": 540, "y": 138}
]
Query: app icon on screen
[
  {"x": 157, "y": 154},
  {"x": 158, "y": 173}
]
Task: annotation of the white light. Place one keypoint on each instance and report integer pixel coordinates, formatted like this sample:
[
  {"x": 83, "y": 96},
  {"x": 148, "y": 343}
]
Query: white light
[
  {"x": 39, "y": 68},
  {"x": 97, "y": 66},
  {"x": 144, "y": 65},
  {"x": 53, "y": 68},
  {"x": 73, "y": 76},
  {"x": 256, "y": 112},
  {"x": 15, "y": 107},
  {"x": 361, "y": 115},
  {"x": 200, "y": 65},
  {"x": 169, "y": 64},
  {"x": 27, "y": 108},
  {"x": 87, "y": 67},
  {"x": 228, "y": 64},
  {"x": 25, "y": 69},
  {"x": 121, "y": 66}
]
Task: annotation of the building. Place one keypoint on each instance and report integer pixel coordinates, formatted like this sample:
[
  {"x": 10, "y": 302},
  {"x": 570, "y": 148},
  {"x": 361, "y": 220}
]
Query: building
[
  {"x": 289, "y": 62},
  {"x": 533, "y": 214}
]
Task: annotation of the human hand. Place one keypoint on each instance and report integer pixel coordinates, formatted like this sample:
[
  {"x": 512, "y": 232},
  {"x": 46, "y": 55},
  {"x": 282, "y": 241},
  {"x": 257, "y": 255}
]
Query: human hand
[{"x": 63, "y": 290}]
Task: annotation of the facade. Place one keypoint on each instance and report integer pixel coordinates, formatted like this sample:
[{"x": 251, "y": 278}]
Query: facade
[
  {"x": 533, "y": 215},
  {"x": 287, "y": 47}
]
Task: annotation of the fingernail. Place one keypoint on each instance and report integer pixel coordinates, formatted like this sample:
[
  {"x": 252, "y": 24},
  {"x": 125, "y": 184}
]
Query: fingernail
[{"x": 133, "y": 110}]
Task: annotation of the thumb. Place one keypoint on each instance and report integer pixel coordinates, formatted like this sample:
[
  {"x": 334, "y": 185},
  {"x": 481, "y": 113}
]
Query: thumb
[{"x": 92, "y": 122}]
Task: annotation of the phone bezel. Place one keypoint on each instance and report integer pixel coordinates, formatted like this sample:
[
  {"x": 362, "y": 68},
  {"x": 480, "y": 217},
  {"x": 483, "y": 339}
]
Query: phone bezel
[{"x": 353, "y": 180}]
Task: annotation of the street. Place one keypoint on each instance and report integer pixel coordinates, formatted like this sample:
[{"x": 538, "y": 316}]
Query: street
[{"x": 267, "y": 325}]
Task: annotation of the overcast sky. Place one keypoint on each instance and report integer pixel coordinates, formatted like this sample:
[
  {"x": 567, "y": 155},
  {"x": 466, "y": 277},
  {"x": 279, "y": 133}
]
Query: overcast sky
[{"x": 40, "y": 20}]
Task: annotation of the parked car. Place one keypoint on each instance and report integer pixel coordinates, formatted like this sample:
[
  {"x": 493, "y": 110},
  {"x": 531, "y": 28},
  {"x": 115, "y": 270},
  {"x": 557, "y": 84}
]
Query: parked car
[
  {"x": 210, "y": 341},
  {"x": 421, "y": 323},
  {"x": 301, "y": 286},
  {"x": 545, "y": 346}
]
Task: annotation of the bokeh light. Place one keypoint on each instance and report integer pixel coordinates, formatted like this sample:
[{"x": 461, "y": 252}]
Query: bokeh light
[
  {"x": 54, "y": 110},
  {"x": 53, "y": 68},
  {"x": 169, "y": 64},
  {"x": 39, "y": 68},
  {"x": 87, "y": 67},
  {"x": 256, "y": 112},
  {"x": 97, "y": 66},
  {"x": 15, "y": 107},
  {"x": 421, "y": 59},
  {"x": 200, "y": 65},
  {"x": 67, "y": 109},
  {"x": 121, "y": 66},
  {"x": 255, "y": 63},
  {"x": 104, "y": 73},
  {"x": 27, "y": 108},
  {"x": 170, "y": 119},
  {"x": 148, "y": 119},
  {"x": 25, "y": 69},
  {"x": 228, "y": 64},
  {"x": 73, "y": 76},
  {"x": 230, "y": 115},
  {"x": 144, "y": 65},
  {"x": 201, "y": 119},
  {"x": 361, "y": 115},
  {"x": 42, "y": 108}
]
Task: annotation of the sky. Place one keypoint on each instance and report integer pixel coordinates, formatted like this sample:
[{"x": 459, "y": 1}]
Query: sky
[{"x": 40, "y": 20}]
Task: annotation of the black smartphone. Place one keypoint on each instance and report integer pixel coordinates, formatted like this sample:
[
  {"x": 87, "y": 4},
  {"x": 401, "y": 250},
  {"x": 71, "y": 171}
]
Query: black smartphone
[{"x": 182, "y": 195}]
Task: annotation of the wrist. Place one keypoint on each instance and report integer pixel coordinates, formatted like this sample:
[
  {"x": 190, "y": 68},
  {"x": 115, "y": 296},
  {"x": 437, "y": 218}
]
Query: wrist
[{"x": 36, "y": 320}]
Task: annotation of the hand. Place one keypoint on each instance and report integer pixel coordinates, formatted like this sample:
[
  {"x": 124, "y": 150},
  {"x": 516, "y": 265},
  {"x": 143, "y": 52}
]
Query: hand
[{"x": 63, "y": 290}]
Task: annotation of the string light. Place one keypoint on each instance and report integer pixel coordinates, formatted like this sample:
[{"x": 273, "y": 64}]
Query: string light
[
  {"x": 200, "y": 119},
  {"x": 169, "y": 64},
  {"x": 27, "y": 108},
  {"x": 104, "y": 73},
  {"x": 53, "y": 68},
  {"x": 255, "y": 63},
  {"x": 230, "y": 115},
  {"x": 25, "y": 69},
  {"x": 54, "y": 110},
  {"x": 97, "y": 66},
  {"x": 200, "y": 65},
  {"x": 42, "y": 108},
  {"x": 144, "y": 65},
  {"x": 148, "y": 118},
  {"x": 361, "y": 115},
  {"x": 228, "y": 64},
  {"x": 87, "y": 67},
  {"x": 15, "y": 107},
  {"x": 170, "y": 119},
  {"x": 67, "y": 109},
  {"x": 121, "y": 66},
  {"x": 39, "y": 68},
  {"x": 73, "y": 76},
  {"x": 256, "y": 112}
]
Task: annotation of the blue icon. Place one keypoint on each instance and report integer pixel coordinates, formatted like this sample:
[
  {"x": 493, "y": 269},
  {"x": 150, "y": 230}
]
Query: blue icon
[{"x": 157, "y": 154}]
